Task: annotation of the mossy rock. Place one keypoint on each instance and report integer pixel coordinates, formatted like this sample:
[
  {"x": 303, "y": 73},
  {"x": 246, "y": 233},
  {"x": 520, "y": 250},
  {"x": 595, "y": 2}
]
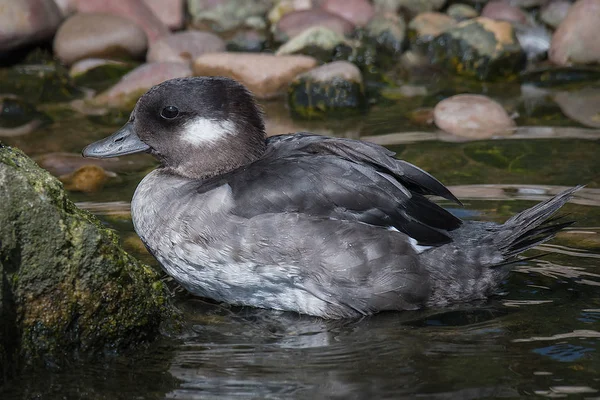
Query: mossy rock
[
  {"x": 332, "y": 90},
  {"x": 68, "y": 289},
  {"x": 481, "y": 48}
]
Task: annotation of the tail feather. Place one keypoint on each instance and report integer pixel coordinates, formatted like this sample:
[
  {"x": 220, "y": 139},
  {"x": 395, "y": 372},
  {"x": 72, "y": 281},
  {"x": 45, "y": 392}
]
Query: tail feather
[{"x": 533, "y": 226}]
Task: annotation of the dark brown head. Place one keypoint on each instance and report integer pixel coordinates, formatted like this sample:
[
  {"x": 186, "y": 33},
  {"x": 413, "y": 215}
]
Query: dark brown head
[{"x": 197, "y": 127}]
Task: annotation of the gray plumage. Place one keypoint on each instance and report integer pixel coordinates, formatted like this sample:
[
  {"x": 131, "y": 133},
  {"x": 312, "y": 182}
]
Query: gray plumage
[{"x": 318, "y": 225}]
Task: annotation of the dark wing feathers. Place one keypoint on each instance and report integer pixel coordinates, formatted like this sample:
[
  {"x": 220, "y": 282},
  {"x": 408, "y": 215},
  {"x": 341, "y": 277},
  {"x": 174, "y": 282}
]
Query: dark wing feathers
[{"x": 343, "y": 179}]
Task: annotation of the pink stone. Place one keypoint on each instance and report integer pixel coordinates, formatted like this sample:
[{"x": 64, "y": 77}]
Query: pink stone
[
  {"x": 27, "y": 21},
  {"x": 184, "y": 46},
  {"x": 293, "y": 23},
  {"x": 576, "y": 40},
  {"x": 359, "y": 12},
  {"x": 170, "y": 12},
  {"x": 500, "y": 10},
  {"x": 134, "y": 10}
]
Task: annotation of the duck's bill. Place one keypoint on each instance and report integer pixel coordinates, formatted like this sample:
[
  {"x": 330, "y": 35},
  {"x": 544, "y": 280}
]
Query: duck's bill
[{"x": 123, "y": 142}]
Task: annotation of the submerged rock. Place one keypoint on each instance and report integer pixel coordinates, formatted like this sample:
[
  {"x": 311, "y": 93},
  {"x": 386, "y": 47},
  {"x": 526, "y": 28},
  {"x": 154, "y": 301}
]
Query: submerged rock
[
  {"x": 65, "y": 163},
  {"x": 68, "y": 289},
  {"x": 331, "y": 90},
  {"x": 99, "y": 36},
  {"x": 576, "y": 39},
  {"x": 472, "y": 116},
  {"x": 266, "y": 75},
  {"x": 88, "y": 178},
  {"x": 481, "y": 48}
]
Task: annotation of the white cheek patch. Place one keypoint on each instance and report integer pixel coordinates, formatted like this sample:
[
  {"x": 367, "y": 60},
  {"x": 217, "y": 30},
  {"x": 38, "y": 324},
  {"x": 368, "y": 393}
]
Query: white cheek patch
[{"x": 201, "y": 131}]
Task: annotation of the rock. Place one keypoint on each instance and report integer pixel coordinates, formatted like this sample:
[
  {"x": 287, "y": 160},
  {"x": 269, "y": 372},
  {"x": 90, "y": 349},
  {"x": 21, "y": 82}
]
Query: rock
[
  {"x": 421, "y": 116},
  {"x": 66, "y": 163},
  {"x": 228, "y": 15},
  {"x": 132, "y": 85},
  {"x": 170, "y": 12},
  {"x": 71, "y": 290},
  {"x": 472, "y": 116},
  {"x": 527, "y": 3},
  {"x": 576, "y": 39},
  {"x": 134, "y": 10},
  {"x": 266, "y": 75},
  {"x": 98, "y": 35},
  {"x": 426, "y": 26},
  {"x": 554, "y": 12},
  {"x": 27, "y": 21},
  {"x": 66, "y": 7},
  {"x": 412, "y": 7},
  {"x": 294, "y": 23},
  {"x": 18, "y": 117},
  {"x": 283, "y": 7},
  {"x": 461, "y": 12},
  {"x": 388, "y": 32},
  {"x": 481, "y": 48},
  {"x": 83, "y": 66},
  {"x": 184, "y": 46},
  {"x": 248, "y": 40},
  {"x": 334, "y": 89},
  {"x": 318, "y": 42},
  {"x": 534, "y": 40},
  {"x": 88, "y": 178},
  {"x": 581, "y": 105},
  {"x": 503, "y": 11},
  {"x": 359, "y": 12}
]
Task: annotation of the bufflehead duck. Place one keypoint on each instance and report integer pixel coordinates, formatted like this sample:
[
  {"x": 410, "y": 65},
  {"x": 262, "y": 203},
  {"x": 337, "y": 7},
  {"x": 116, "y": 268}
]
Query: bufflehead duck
[{"x": 319, "y": 225}]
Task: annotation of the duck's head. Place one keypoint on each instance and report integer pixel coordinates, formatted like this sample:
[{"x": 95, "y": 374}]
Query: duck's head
[{"x": 197, "y": 127}]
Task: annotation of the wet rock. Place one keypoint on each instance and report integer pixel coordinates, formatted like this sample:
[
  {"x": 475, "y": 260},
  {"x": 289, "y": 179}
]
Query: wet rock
[
  {"x": 411, "y": 7},
  {"x": 388, "y": 32},
  {"x": 83, "y": 66},
  {"x": 17, "y": 117},
  {"x": 66, "y": 163},
  {"x": 576, "y": 39},
  {"x": 359, "y": 12},
  {"x": 27, "y": 21},
  {"x": 426, "y": 26},
  {"x": 503, "y": 11},
  {"x": 555, "y": 12},
  {"x": 88, "y": 179},
  {"x": 184, "y": 46},
  {"x": 555, "y": 76},
  {"x": 421, "y": 116},
  {"x": 170, "y": 12},
  {"x": 472, "y": 116},
  {"x": 527, "y": 3},
  {"x": 266, "y": 75},
  {"x": 98, "y": 35},
  {"x": 481, "y": 48},
  {"x": 294, "y": 23},
  {"x": 69, "y": 287},
  {"x": 534, "y": 40},
  {"x": 318, "y": 42},
  {"x": 334, "y": 89},
  {"x": 581, "y": 105},
  {"x": 283, "y": 7},
  {"x": 228, "y": 15},
  {"x": 134, "y": 10},
  {"x": 461, "y": 12},
  {"x": 135, "y": 83}
]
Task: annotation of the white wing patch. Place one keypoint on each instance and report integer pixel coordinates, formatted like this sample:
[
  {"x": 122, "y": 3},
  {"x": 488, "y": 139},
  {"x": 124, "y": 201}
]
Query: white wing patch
[
  {"x": 201, "y": 131},
  {"x": 413, "y": 242}
]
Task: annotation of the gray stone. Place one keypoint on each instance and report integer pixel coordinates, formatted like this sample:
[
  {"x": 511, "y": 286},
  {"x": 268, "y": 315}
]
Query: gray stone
[
  {"x": 228, "y": 15},
  {"x": 318, "y": 42},
  {"x": 461, "y": 12},
  {"x": 389, "y": 33}
]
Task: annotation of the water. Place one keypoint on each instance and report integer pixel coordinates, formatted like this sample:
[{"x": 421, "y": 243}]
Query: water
[{"x": 539, "y": 337}]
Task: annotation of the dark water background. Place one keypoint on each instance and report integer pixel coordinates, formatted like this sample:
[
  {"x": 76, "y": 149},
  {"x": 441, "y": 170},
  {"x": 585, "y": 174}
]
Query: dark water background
[{"x": 539, "y": 337}]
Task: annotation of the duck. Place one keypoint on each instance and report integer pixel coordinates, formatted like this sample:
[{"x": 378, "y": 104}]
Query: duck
[{"x": 325, "y": 226}]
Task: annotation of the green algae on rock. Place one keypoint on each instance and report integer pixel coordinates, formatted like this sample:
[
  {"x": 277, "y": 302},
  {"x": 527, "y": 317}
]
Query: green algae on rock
[
  {"x": 481, "y": 47},
  {"x": 70, "y": 288},
  {"x": 331, "y": 90}
]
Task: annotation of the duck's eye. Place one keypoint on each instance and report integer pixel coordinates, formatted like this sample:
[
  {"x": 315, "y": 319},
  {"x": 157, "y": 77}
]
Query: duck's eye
[{"x": 169, "y": 112}]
